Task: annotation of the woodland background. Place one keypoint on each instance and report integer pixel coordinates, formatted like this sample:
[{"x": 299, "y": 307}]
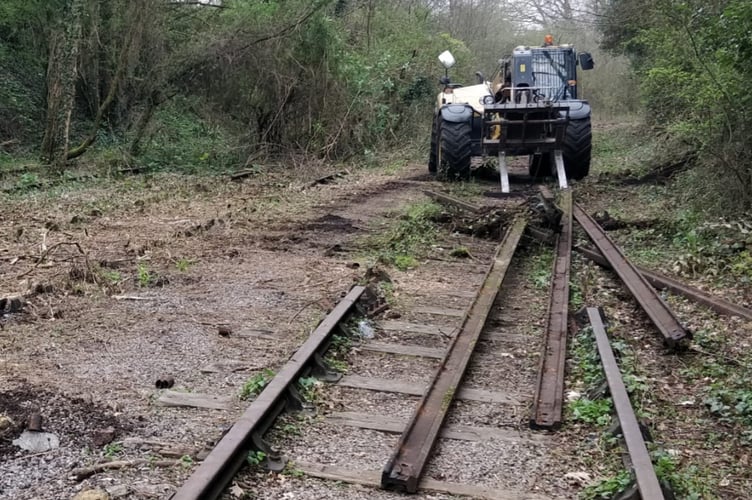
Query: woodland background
[{"x": 202, "y": 86}]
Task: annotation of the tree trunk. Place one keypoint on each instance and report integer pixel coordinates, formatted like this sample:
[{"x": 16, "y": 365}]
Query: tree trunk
[
  {"x": 130, "y": 40},
  {"x": 156, "y": 98},
  {"x": 61, "y": 87}
]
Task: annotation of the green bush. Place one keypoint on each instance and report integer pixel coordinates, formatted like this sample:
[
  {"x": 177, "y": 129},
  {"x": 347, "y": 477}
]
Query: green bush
[
  {"x": 692, "y": 62},
  {"x": 182, "y": 139}
]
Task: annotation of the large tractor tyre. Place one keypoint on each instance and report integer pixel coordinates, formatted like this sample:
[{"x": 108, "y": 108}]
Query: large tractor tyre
[
  {"x": 454, "y": 151},
  {"x": 539, "y": 165},
  {"x": 577, "y": 148},
  {"x": 432, "y": 153}
]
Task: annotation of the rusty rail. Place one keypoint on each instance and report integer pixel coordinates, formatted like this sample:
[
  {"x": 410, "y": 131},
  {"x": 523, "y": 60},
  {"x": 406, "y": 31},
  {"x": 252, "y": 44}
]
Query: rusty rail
[
  {"x": 549, "y": 391},
  {"x": 404, "y": 468},
  {"x": 451, "y": 200},
  {"x": 647, "y": 481},
  {"x": 218, "y": 469},
  {"x": 657, "y": 310},
  {"x": 675, "y": 286}
]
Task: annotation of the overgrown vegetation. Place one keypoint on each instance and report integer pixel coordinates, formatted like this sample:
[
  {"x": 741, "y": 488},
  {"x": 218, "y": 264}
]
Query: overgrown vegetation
[
  {"x": 255, "y": 457},
  {"x": 724, "y": 378},
  {"x": 591, "y": 408},
  {"x": 409, "y": 238},
  {"x": 707, "y": 403},
  {"x": 540, "y": 275},
  {"x": 309, "y": 388},
  {"x": 254, "y": 385},
  {"x": 678, "y": 236},
  {"x": 691, "y": 58},
  {"x": 197, "y": 87},
  {"x": 341, "y": 343},
  {"x": 206, "y": 86}
]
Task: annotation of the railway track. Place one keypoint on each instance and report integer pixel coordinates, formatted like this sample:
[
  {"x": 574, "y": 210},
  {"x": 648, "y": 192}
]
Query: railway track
[
  {"x": 450, "y": 380},
  {"x": 257, "y": 291}
]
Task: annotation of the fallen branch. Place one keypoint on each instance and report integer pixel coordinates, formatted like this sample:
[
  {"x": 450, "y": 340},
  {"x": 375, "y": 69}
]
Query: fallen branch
[
  {"x": 242, "y": 174},
  {"x": 47, "y": 251},
  {"x": 451, "y": 200},
  {"x": 306, "y": 306},
  {"x": 169, "y": 450},
  {"x": 83, "y": 472},
  {"x": 325, "y": 179},
  {"x": 213, "y": 324},
  {"x": 14, "y": 258},
  {"x": 131, "y": 297}
]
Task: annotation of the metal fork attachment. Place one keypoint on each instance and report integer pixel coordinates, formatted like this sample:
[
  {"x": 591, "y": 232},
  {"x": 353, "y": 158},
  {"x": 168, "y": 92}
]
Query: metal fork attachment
[{"x": 511, "y": 129}]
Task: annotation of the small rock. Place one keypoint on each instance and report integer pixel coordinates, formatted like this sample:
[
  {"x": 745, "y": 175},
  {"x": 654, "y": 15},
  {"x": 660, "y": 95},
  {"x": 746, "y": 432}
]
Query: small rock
[
  {"x": 579, "y": 477},
  {"x": 164, "y": 382},
  {"x": 224, "y": 331},
  {"x": 6, "y": 423},
  {"x": 92, "y": 495},
  {"x": 101, "y": 437},
  {"x": 117, "y": 491},
  {"x": 34, "y": 423},
  {"x": 37, "y": 442}
]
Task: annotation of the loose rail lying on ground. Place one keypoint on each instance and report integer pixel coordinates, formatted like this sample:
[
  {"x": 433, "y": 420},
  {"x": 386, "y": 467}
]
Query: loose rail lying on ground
[
  {"x": 647, "y": 481},
  {"x": 661, "y": 282},
  {"x": 218, "y": 469},
  {"x": 404, "y": 468},
  {"x": 451, "y": 200},
  {"x": 660, "y": 314},
  {"x": 549, "y": 390}
]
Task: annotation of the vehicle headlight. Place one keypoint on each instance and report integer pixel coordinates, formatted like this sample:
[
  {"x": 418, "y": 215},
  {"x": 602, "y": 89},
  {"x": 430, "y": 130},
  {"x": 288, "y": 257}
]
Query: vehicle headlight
[{"x": 487, "y": 99}]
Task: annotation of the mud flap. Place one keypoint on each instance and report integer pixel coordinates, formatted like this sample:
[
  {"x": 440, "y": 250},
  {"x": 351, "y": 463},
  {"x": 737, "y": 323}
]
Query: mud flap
[{"x": 456, "y": 113}]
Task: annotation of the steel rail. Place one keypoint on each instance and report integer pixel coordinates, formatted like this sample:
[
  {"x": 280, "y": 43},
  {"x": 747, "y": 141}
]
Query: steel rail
[
  {"x": 218, "y": 469},
  {"x": 549, "y": 390},
  {"x": 451, "y": 200},
  {"x": 647, "y": 481},
  {"x": 404, "y": 468},
  {"x": 657, "y": 310},
  {"x": 675, "y": 286}
]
